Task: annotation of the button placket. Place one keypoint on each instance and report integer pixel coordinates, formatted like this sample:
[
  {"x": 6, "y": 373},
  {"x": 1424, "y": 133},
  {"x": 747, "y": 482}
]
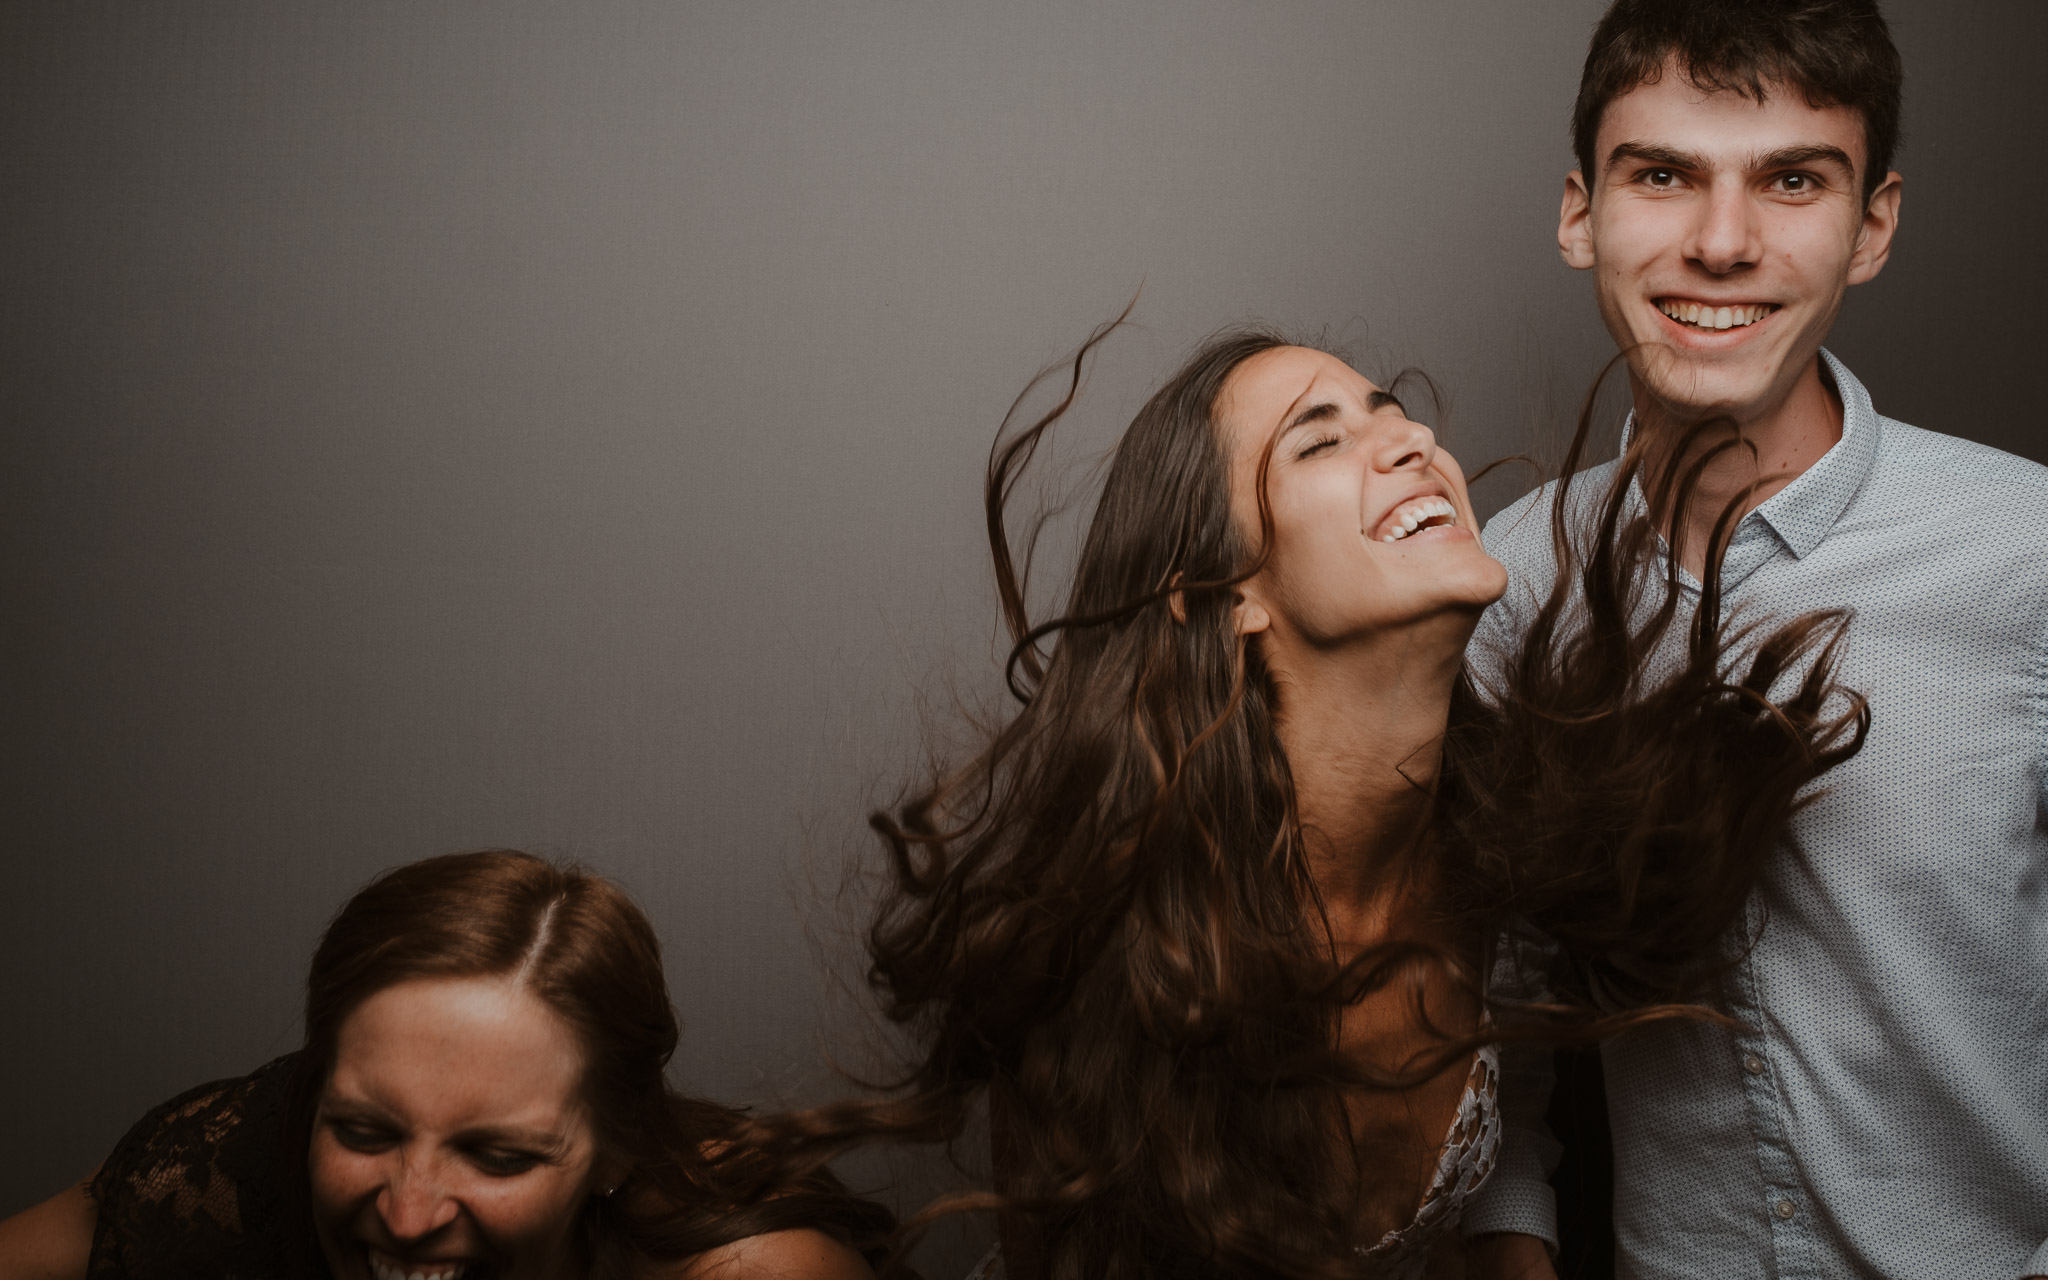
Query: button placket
[{"x": 1758, "y": 1085}]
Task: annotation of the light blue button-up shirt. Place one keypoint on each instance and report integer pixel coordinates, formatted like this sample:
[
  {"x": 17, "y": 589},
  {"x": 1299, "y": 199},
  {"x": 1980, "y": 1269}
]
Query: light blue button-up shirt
[{"x": 1887, "y": 1115}]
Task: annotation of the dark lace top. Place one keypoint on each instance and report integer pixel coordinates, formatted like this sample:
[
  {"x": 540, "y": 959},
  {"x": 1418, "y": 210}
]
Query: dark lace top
[{"x": 200, "y": 1187}]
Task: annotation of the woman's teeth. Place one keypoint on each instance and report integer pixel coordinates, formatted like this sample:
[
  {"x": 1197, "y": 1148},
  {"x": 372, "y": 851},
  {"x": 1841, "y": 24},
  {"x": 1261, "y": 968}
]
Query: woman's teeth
[
  {"x": 1423, "y": 513},
  {"x": 1701, "y": 316},
  {"x": 384, "y": 1268}
]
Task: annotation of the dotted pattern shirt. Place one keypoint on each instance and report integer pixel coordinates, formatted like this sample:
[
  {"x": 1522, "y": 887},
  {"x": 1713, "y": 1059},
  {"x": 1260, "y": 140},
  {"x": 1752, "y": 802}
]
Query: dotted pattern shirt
[{"x": 1888, "y": 1116}]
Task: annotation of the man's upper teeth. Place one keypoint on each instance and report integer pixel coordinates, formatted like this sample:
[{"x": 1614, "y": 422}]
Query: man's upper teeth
[
  {"x": 1711, "y": 317},
  {"x": 1407, "y": 519}
]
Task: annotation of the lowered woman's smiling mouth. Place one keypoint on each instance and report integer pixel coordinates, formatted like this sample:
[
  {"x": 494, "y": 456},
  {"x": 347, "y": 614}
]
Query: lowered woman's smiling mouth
[{"x": 385, "y": 1267}]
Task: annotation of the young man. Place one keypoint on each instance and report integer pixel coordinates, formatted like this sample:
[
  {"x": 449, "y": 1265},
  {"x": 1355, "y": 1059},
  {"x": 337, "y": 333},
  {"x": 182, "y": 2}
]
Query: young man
[{"x": 1884, "y": 1110}]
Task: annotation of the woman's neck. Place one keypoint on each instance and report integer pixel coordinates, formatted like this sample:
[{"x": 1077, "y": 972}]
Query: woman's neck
[{"x": 1363, "y": 730}]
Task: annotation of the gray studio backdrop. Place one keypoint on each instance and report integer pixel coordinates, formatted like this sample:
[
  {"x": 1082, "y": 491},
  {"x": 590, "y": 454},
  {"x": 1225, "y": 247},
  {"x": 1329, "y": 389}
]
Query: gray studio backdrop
[{"x": 559, "y": 426}]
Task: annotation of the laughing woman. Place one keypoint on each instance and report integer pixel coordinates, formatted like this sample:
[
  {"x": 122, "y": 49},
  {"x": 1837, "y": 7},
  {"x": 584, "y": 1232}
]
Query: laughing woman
[
  {"x": 1207, "y": 919},
  {"x": 481, "y": 1096}
]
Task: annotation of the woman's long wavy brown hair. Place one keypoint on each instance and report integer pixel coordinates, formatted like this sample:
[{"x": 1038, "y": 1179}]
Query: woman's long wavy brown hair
[
  {"x": 584, "y": 949},
  {"x": 1104, "y": 923}
]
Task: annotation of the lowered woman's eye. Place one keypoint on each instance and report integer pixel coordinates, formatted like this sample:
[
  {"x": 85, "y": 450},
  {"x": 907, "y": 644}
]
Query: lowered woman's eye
[
  {"x": 359, "y": 1137},
  {"x": 1316, "y": 446},
  {"x": 501, "y": 1163}
]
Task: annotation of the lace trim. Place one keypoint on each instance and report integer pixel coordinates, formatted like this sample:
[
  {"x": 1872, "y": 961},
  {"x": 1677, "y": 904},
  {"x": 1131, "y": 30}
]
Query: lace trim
[
  {"x": 197, "y": 1188},
  {"x": 1468, "y": 1156}
]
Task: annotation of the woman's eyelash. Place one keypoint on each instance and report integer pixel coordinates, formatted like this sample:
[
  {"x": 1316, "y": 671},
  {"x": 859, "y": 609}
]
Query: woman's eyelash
[
  {"x": 1316, "y": 445},
  {"x": 504, "y": 1163},
  {"x": 357, "y": 1137}
]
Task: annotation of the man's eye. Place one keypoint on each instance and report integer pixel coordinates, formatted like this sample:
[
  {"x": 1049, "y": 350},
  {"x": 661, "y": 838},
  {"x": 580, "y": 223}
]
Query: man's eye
[
  {"x": 1796, "y": 182},
  {"x": 1660, "y": 177}
]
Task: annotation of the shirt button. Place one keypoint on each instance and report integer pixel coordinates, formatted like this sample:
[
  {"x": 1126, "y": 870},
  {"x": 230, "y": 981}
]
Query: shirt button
[
  {"x": 1786, "y": 1209},
  {"x": 1752, "y": 1064}
]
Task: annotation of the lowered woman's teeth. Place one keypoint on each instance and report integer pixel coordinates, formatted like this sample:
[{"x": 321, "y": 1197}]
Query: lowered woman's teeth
[
  {"x": 1701, "y": 315},
  {"x": 387, "y": 1268}
]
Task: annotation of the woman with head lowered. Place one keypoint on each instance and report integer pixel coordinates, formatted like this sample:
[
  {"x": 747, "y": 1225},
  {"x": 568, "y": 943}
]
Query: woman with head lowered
[
  {"x": 1208, "y": 919},
  {"x": 481, "y": 1095}
]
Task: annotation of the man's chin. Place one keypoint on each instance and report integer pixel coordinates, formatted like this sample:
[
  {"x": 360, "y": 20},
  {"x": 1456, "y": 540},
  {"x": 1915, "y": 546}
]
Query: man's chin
[{"x": 1689, "y": 389}]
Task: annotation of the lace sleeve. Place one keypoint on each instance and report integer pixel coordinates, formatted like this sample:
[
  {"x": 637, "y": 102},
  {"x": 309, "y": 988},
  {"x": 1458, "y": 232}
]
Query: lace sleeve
[{"x": 197, "y": 1187}]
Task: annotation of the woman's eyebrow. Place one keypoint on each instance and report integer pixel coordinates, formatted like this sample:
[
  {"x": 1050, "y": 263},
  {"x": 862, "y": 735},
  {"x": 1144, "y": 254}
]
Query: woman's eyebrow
[
  {"x": 1314, "y": 413},
  {"x": 1379, "y": 400},
  {"x": 539, "y": 1140},
  {"x": 352, "y": 1108}
]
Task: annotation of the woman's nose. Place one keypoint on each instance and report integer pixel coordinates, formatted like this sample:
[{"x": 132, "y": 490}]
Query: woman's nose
[
  {"x": 414, "y": 1202},
  {"x": 1402, "y": 445}
]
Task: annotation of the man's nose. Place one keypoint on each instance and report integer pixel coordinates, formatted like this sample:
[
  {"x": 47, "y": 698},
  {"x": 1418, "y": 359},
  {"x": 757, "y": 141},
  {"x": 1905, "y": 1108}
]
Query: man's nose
[
  {"x": 415, "y": 1201},
  {"x": 1401, "y": 445},
  {"x": 1725, "y": 236}
]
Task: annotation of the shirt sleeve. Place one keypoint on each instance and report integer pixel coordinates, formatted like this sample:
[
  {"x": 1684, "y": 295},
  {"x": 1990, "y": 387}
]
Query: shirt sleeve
[
  {"x": 2038, "y": 1264},
  {"x": 1518, "y": 1198}
]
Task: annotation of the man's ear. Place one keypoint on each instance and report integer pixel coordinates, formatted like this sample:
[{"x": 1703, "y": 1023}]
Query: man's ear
[
  {"x": 1874, "y": 237},
  {"x": 1575, "y": 223}
]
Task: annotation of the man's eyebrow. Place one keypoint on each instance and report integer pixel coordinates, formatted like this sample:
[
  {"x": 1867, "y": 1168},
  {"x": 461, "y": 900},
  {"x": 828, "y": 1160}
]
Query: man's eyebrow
[
  {"x": 1793, "y": 157},
  {"x": 1651, "y": 153}
]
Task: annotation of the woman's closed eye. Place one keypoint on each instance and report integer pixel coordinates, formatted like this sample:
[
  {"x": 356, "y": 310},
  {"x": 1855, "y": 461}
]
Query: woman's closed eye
[
  {"x": 1318, "y": 444},
  {"x": 357, "y": 1136},
  {"x": 502, "y": 1162}
]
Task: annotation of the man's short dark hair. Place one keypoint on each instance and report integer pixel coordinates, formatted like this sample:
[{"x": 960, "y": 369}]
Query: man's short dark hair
[{"x": 1835, "y": 52}]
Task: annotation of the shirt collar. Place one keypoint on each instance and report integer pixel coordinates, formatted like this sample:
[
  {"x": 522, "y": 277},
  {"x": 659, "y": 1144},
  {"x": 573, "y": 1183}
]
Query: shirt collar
[{"x": 1803, "y": 511}]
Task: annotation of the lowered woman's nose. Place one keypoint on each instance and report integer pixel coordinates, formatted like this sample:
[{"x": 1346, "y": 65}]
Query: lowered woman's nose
[{"x": 414, "y": 1203}]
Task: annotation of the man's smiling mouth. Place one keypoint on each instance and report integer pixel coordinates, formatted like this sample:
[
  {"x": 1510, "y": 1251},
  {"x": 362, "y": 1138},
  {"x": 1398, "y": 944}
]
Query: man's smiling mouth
[{"x": 1705, "y": 315}]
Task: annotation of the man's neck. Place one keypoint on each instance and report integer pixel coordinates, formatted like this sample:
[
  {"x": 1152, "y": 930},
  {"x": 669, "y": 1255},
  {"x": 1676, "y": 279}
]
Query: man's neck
[{"x": 1783, "y": 441}]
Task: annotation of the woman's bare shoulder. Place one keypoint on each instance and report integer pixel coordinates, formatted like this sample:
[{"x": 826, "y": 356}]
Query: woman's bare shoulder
[
  {"x": 800, "y": 1254},
  {"x": 52, "y": 1241}
]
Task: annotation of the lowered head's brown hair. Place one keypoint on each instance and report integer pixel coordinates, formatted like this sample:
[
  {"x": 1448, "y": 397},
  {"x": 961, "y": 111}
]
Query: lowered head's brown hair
[
  {"x": 1835, "y": 52},
  {"x": 1103, "y": 921},
  {"x": 582, "y": 947}
]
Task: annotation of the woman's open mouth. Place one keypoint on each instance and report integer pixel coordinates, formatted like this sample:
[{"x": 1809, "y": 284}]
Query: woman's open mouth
[
  {"x": 1416, "y": 516},
  {"x": 385, "y": 1267}
]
